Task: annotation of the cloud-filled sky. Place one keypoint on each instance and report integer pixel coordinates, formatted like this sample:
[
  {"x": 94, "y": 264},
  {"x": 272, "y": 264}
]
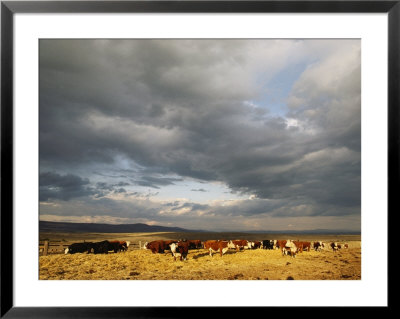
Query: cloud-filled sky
[{"x": 217, "y": 134}]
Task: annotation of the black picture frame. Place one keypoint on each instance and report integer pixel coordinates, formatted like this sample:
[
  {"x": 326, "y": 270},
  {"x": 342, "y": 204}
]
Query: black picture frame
[{"x": 9, "y": 8}]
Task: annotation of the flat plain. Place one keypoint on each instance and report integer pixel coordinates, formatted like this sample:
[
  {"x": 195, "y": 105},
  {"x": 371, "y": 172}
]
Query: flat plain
[{"x": 257, "y": 264}]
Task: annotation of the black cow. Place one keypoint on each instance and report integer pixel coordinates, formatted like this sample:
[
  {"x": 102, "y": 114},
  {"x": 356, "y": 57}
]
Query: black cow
[
  {"x": 79, "y": 248},
  {"x": 118, "y": 246},
  {"x": 103, "y": 247},
  {"x": 268, "y": 244},
  {"x": 194, "y": 244}
]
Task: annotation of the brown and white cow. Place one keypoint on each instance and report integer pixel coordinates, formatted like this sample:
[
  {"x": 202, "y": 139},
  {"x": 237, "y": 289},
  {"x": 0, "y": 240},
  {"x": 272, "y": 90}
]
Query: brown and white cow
[
  {"x": 290, "y": 248},
  {"x": 175, "y": 252},
  {"x": 215, "y": 246},
  {"x": 180, "y": 249},
  {"x": 335, "y": 246},
  {"x": 238, "y": 244},
  {"x": 319, "y": 245},
  {"x": 167, "y": 243}
]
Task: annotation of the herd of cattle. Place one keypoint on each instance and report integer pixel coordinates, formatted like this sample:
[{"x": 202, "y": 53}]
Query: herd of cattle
[{"x": 180, "y": 248}]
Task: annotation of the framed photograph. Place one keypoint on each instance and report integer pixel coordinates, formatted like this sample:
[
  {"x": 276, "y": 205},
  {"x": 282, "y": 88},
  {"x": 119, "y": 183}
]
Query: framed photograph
[{"x": 166, "y": 154}]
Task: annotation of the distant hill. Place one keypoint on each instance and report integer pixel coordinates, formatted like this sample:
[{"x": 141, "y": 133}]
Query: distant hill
[{"x": 45, "y": 226}]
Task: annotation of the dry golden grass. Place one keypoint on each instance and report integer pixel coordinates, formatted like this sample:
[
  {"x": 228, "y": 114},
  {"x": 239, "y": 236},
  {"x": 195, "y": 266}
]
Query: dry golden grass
[{"x": 256, "y": 264}]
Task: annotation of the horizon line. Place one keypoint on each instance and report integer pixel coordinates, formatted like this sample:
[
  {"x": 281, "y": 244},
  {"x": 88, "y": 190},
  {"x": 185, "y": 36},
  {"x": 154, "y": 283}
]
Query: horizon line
[{"x": 324, "y": 230}]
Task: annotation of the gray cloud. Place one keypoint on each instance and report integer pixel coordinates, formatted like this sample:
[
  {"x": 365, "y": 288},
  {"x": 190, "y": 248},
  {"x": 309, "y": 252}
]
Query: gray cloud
[
  {"x": 54, "y": 186},
  {"x": 146, "y": 110},
  {"x": 156, "y": 182},
  {"x": 65, "y": 187}
]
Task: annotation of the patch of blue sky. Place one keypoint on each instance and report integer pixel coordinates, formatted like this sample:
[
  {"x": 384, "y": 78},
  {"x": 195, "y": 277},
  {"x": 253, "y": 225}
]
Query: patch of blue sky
[
  {"x": 275, "y": 91},
  {"x": 197, "y": 191}
]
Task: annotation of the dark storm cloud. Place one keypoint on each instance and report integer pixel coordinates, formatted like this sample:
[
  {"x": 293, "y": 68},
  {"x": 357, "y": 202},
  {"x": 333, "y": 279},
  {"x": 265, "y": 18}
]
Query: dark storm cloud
[
  {"x": 102, "y": 189},
  {"x": 54, "y": 186},
  {"x": 65, "y": 187},
  {"x": 108, "y": 175},
  {"x": 110, "y": 187},
  {"x": 182, "y": 108}
]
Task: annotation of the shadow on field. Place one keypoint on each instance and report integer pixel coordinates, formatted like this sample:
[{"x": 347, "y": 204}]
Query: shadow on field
[
  {"x": 206, "y": 253},
  {"x": 201, "y": 255}
]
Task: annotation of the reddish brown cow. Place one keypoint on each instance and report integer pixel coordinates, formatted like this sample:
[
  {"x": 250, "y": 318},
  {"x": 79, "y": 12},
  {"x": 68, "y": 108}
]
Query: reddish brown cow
[
  {"x": 183, "y": 248},
  {"x": 281, "y": 244},
  {"x": 157, "y": 246},
  {"x": 216, "y": 245},
  {"x": 299, "y": 245},
  {"x": 208, "y": 242},
  {"x": 303, "y": 245},
  {"x": 306, "y": 245},
  {"x": 257, "y": 244}
]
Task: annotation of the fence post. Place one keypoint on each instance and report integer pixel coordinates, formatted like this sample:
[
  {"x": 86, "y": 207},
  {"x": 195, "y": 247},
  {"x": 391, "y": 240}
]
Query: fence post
[{"x": 46, "y": 247}]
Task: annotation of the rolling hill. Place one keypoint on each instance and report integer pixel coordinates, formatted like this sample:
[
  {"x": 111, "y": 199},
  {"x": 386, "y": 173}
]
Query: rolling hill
[{"x": 45, "y": 226}]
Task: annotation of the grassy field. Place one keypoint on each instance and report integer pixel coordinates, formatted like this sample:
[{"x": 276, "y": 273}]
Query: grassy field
[{"x": 258, "y": 264}]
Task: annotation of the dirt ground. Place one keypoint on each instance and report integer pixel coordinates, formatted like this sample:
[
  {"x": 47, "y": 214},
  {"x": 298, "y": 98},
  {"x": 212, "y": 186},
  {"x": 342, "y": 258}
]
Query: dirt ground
[{"x": 258, "y": 264}]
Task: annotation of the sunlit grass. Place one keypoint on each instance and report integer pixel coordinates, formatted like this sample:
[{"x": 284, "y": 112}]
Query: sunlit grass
[{"x": 256, "y": 264}]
